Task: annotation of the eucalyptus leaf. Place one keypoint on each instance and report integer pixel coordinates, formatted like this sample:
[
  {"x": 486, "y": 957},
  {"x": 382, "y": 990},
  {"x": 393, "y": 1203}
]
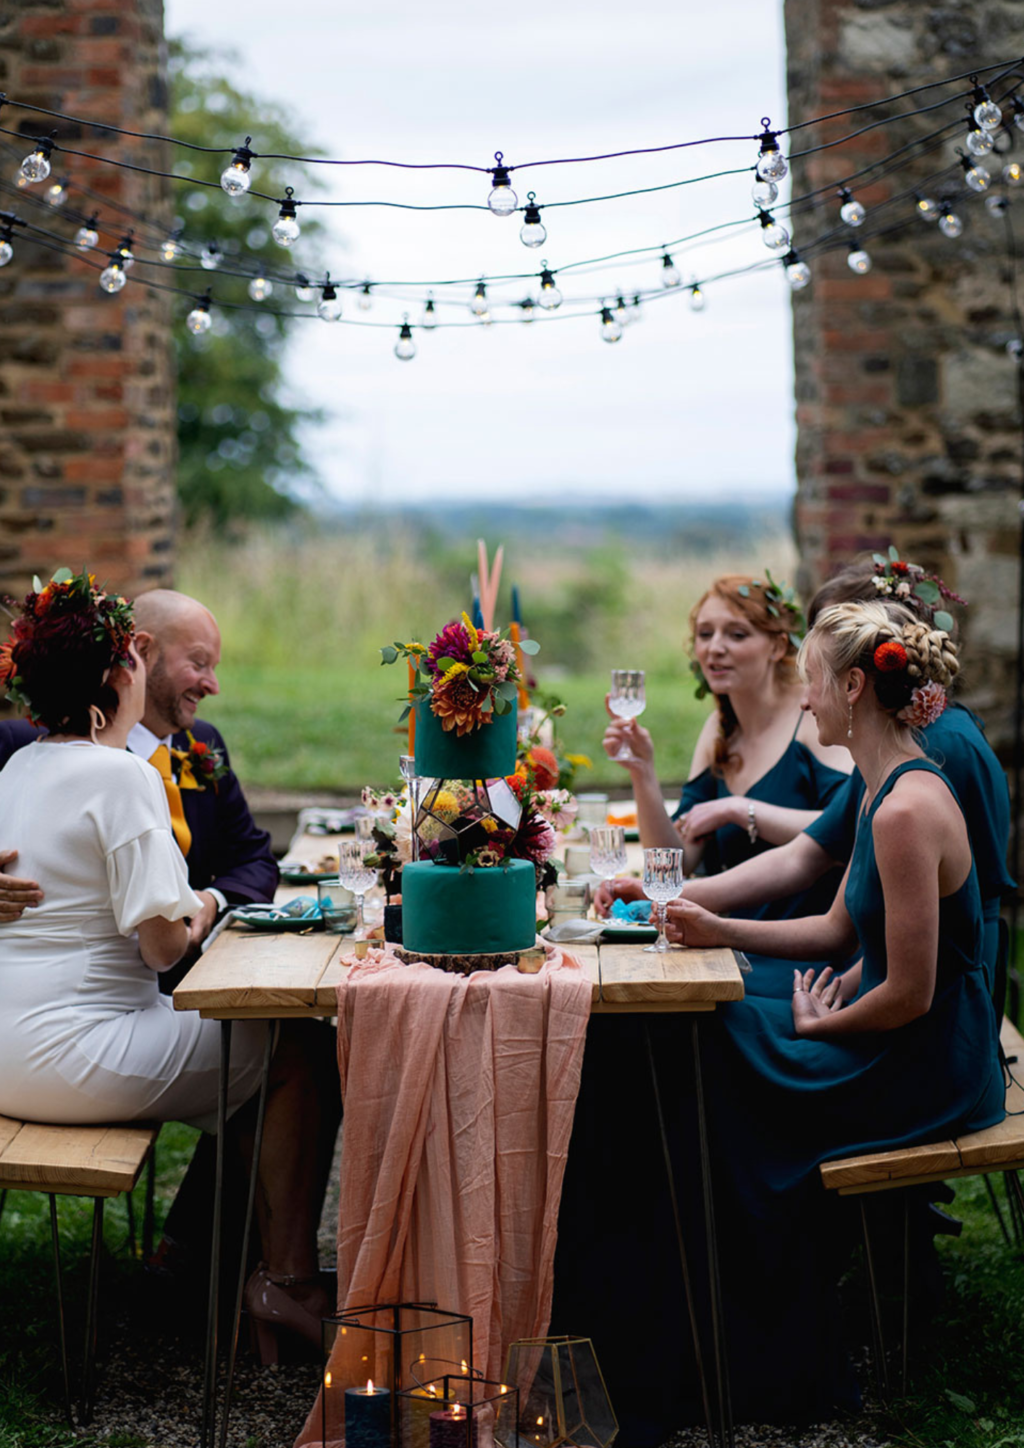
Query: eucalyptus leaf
[
  {"x": 388, "y": 655},
  {"x": 927, "y": 591},
  {"x": 405, "y": 714},
  {"x": 878, "y": 559},
  {"x": 743, "y": 590},
  {"x": 795, "y": 640},
  {"x": 944, "y": 620},
  {"x": 507, "y": 690},
  {"x": 501, "y": 706},
  {"x": 63, "y": 575},
  {"x": 479, "y": 658},
  {"x": 530, "y": 646},
  {"x": 894, "y": 554},
  {"x": 37, "y": 586},
  {"x": 445, "y": 664}
]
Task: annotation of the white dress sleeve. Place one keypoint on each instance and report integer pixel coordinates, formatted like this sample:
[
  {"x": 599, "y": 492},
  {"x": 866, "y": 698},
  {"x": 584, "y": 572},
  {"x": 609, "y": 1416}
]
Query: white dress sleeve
[{"x": 147, "y": 878}]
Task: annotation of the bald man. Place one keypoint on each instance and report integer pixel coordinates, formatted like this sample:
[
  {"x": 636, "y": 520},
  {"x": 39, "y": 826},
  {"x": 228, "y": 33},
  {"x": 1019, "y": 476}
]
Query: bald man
[{"x": 228, "y": 857}]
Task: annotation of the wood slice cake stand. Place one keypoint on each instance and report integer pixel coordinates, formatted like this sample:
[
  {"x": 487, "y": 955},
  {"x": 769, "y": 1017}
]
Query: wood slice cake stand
[{"x": 527, "y": 961}]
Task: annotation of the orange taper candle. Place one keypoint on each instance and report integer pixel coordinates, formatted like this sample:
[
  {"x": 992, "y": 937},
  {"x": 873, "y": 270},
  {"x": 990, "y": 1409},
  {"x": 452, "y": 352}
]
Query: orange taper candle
[
  {"x": 524, "y": 698},
  {"x": 412, "y": 711}
]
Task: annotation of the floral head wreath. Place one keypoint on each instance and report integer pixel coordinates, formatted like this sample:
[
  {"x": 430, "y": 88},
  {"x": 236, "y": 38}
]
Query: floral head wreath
[
  {"x": 909, "y": 584},
  {"x": 778, "y": 597},
  {"x": 72, "y": 596},
  {"x": 927, "y": 701}
]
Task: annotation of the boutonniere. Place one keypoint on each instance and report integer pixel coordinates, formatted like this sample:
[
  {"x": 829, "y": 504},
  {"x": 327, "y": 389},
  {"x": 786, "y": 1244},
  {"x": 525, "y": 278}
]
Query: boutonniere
[{"x": 199, "y": 764}]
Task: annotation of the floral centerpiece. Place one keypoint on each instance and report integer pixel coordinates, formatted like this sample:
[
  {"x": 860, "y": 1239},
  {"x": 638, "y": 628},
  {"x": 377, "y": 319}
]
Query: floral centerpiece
[
  {"x": 392, "y": 837},
  {"x": 910, "y": 584},
  {"x": 468, "y": 674},
  {"x": 486, "y": 825}
]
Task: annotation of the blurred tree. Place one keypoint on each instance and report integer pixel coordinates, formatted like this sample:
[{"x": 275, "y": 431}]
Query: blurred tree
[{"x": 238, "y": 430}]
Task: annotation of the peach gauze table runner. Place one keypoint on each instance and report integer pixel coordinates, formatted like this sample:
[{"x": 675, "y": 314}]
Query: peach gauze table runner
[{"x": 459, "y": 1094}]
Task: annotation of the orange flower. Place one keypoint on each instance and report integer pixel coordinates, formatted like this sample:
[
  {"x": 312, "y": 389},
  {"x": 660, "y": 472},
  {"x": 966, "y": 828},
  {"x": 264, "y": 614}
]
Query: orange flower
[
  {"x": 890, "y": 657},
  {"x": 544, "y": 766},
  {"x": 458, "y": 705}
]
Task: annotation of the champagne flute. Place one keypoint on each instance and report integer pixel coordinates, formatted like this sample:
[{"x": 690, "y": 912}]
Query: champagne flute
[
  {"x": 662, "y": 882},
  {"x": 356, "y": 876},
  {"x": 607, "y": 850},
  {"x": 627, "y": 701}
]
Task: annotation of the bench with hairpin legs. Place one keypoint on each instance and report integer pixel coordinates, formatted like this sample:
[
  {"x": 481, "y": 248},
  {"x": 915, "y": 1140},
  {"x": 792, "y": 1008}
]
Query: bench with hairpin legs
[
  {"x": 998, "y": 1148},
  {"x": 80, "y": 1161}
]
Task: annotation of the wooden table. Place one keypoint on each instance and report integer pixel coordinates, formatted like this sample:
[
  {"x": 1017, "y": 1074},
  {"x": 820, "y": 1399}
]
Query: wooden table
[{"x": 250, "y": 976}]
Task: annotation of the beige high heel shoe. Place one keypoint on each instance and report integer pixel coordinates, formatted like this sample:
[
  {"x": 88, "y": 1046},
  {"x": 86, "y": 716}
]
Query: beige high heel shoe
[{"x": 274, "y": 1312}]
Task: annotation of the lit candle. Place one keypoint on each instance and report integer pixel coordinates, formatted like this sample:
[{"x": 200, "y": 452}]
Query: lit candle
[
  {"x": 453, "y": 1428},
  {"x": 412, "y": 711},
  {"x": 423, "y": 1402},
  {"x": 367, "y": 1417}
]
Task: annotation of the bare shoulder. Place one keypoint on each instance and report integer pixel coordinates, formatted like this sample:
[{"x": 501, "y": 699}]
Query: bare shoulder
[
  {"x": 704, "y": 751},
  {"x": 918, "y": 810}
]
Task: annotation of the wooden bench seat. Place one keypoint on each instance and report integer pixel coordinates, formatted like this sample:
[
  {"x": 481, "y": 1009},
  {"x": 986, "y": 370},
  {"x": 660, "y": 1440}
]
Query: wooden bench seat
[{"x": 80, "y": 1161}]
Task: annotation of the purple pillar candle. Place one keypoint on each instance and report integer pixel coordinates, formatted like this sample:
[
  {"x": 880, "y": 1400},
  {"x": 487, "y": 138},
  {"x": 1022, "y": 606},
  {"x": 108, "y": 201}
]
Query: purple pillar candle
[
  {"x": 367, "y": 1417},
  {"x": 453, "y": 1428}
]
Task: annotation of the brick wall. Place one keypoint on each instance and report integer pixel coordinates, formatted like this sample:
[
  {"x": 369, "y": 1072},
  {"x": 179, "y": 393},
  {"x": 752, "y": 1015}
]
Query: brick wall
[
  {"x": 908, "y": 420},
  {"x": 86, "y": 381}
]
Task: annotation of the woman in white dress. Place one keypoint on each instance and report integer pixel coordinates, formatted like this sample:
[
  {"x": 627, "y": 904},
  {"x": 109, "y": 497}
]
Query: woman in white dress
[{"x": 85, "y": 1034}]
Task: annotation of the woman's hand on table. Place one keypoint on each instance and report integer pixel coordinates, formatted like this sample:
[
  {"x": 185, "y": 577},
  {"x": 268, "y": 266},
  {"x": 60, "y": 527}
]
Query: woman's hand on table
[
  {"x": 704, "y": 819},
  {"x": 690, "y": 924},
  {"x": 813, "y": 1000},
  {"x": 620, "y": 889}
]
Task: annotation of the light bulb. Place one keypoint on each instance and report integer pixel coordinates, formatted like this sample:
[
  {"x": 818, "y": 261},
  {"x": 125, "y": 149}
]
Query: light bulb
[
  {"x": 124, "y": 251},
  {"x": 405, "y": 347},
  {"x": 996, "y": 204},
  {"x": 36, "y": 165},
  {"x": 478, "y": 306},
  {"x": 365, "y": 301},
  {"x": 798, "y": 273},
  {"x": 638, "y": 314},
  {"x": 950, "y": 224},
  {"x": 764, "y": 193},
  {"x": 260, "y": 289},
  {"x": 20, "y": 180},
  {"x": 1018, "y": 113},
  {"x": 57, "y": 194},
  {"x": 774, "y": 236},
  {"x": 1015, "y": 348},
  {"x": 979, "y": 142},
  {"x": 550, "y": 297},
  {"x": 429, "y": 321},
  {"x": 620, "y": 311},
  {"x": 328, "y": 307},
  {"x": 977, "y": 178},
  {"x": 851, "y": 211},
  {"x": 987, "y": 114},
  {"x": 236, "y": 178},
  {"x": 532, "y": 232},
  {"x": 1013, "y": 173},
  {"x": 527, "y": 308},
  {"x": 86, "y": 237},
  {"x": 858, "y": 260},
  {"x": 199, "y": 320},
  {"x": 171, "y": 248},
  {"x": 502, "y": 200},
  {"x": 6, "y": 249},
  {"x": 611, "y": 330},
  {"x": 210, "y": 256},
  {"x": 698, "y": 301},
  {"x": 669, "y": 275},
  {"x": 114, "y": 276},
  {"x": 286, "y": 230},
  {"x": 303, "y": 290},
  {"x": 927, "y": 208},
  {"x": 771, "y": 165}
]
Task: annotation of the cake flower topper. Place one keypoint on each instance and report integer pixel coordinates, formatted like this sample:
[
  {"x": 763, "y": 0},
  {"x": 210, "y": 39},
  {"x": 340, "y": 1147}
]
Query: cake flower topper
[
  {"x": 468, "y": 674},
  {"x": 909, "y": 584},
  {"x": 72, "y": 604}
]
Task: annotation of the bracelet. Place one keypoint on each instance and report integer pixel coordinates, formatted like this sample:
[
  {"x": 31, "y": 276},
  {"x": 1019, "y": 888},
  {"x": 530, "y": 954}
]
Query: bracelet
[{"x": 751, "y": 822}]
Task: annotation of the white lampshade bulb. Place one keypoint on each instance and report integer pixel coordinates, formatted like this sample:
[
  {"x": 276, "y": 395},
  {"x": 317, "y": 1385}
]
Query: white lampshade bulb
[
  {"x": 532, "y": 232},
  {"x": 858, "y": 260},
  {"x": 798, "y": 273},
  {"x": 286, "y": 230},
  {"x": 429, "y": 320},
  {"x": 611, "y": 330},
  {"x": 698, "y": 301},
  {"x": 851, "y": 211},
  {"x": 86, "y": 237},
  {"x": 199, "y": 320},
  {"x": 502, "y": 200},
  {"x": 405, "y": 347},
  {"x": 950, "y": 224},
  {"x": 550, "y": 297},
  {"x": 669, "y": 272},
  {"x": 328, "y": 308},
  {"x": 928, "y": 208},
  {"x": 478, "y": 306},
  {"x": 236, "y": 178}
]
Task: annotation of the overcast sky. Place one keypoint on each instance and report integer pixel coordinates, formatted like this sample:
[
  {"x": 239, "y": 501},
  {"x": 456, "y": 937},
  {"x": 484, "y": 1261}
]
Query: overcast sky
[{"x": 685, "y": 405}]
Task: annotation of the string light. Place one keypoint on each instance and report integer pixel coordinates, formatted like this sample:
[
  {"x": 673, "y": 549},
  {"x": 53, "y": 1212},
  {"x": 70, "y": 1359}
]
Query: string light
[
  {"x": 927, "y": 207},
  {"x": 979, "y": 142},
  {"x": 1018, "y": 113},
  {"x": 113, "y": 276},
  {"x": 987, "y": 114},
  {"x": 36, "y": 165},
  {"x": 996, "y": 204},
  {"x": 171, "y": 248},
  {"x": 365, "y": 299},
  {"x": 199, "y": 320},
  {"x": 771, "y": 165},
  {"x": 851, "y": 211},
  {"x": 611, "y": 331},
  {"x": 977, "y": 178},
  {"x": 478, "y": 306},
  {"x": 949, "y": 223},
  {"x": 211, "y": 256},
  {"x": 502, "y": 200},
  {"x": 774, "y": 236},
  {"x": 638, "y": 314},
  {"x": 857, "y": 259},
  {"x": 527, "y": 308},
  {"x": 286, "y": 230},
  {"x": 798, "y": 273},
  {"x": 764, "y": 193},
  {"x": 86, "y": 237},
  {"x": 405, "y": 347},
  {"x": 236, "y": 178},
  {"x": 550, "y": 297},
  {"x": 260, "y": 289},
  {"x": 429, "y": 319},
  {"x": 669, "y": 275},
  {"x": 1013, "y": 173},
  {"x": 621, "y": 312},
  {"x": 124, "y": 250},
  {"x": 698, "y": 301},
  {"x": 328, "y": 307},
  {"x": 532, "y": 232},
  {"x": 57, "y": 194},
  {"x": 6, "y": 249},
  {"x": 303, "y": 290}
]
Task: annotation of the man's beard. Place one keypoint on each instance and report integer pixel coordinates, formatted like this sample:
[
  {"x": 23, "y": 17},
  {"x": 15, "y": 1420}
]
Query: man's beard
[{"x": 162, "y": 695}]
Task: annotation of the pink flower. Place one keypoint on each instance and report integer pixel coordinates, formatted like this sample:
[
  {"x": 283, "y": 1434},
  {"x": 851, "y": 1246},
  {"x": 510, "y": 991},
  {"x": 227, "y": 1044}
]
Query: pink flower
[
  {"x": 558, "y": 807},
  {"x": 926, "y": 704},
  {"x": 535, "y": 840},
  {"x": 451, "y": 643}
]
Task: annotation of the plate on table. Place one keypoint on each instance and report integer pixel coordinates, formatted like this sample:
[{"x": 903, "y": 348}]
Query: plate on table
[
  {"x": 628, "y": 932},
  {"x": 256, "y": 919},
  {"x": 304, "y": 877}
]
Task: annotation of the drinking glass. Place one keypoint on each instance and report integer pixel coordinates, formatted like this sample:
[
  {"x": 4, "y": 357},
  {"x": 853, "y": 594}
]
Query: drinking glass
[
  {"x": 364, "y": 826},
  {"x": 356, "y": 876},
  {"x": 662, "y": 882},
  {"x": 593, "y": 810},
  {"x": 627, "y": 701},
  {"x": 607, "y": 850}
]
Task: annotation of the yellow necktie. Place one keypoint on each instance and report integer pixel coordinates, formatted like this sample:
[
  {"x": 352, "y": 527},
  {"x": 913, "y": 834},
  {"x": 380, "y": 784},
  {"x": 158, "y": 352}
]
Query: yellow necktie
[{"x": 160, "y": 759}]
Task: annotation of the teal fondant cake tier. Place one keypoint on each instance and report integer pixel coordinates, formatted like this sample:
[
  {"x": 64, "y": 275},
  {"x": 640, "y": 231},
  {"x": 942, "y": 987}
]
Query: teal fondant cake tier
[
  {"x": 447, "y": 911},
  {"x": 486, "y": 753}
]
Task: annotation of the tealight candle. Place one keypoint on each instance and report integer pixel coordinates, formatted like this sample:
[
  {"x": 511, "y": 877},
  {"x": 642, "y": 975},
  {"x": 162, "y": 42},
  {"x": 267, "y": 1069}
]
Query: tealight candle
[
  {"x": 453, "y": 1428},
  {"x": 367, "y": 1417}
]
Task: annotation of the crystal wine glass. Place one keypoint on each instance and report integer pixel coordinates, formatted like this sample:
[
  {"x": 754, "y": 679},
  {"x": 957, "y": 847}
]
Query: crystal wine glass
[
  {"x": 607, "y": 850},
  {"x": 662, "y": 882},
  {"x": 627, "y": 701},
  {"x": 356, "y": 876}
]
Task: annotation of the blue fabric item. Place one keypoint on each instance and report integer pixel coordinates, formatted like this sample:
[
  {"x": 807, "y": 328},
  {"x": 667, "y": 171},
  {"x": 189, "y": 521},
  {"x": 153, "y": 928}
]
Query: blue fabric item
[
  {"x": 631, "y": 910},
  {"x": 798, "y": 780}
]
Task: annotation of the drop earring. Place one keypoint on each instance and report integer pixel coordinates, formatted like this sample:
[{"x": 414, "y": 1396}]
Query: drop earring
[{"x": 849, "y": 729}]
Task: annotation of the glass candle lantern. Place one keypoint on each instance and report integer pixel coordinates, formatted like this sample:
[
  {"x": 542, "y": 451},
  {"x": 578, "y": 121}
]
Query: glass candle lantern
[
  {"x": 562, "y": 1396},
  {"x": 458, "y": 1410}
]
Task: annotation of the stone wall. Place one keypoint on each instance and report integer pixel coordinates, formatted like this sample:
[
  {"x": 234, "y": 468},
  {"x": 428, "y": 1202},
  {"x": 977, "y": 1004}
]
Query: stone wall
[
  {"x": 909, "y": 424},
  {"x": 87, "y": 425}
]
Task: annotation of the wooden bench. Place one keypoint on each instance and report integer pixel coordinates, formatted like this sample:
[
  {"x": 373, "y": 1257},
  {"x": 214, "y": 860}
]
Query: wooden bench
[
  {"x": 80, "y": 1161},
  {"x": 998, "y": 1148}
]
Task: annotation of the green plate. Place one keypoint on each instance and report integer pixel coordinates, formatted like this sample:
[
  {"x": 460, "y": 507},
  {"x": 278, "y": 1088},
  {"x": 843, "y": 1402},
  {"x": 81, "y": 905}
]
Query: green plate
[
  {"x": 288, "y": 925},
  {"x": 303, "y": 877},
  {"x": 629, "y": 934}
]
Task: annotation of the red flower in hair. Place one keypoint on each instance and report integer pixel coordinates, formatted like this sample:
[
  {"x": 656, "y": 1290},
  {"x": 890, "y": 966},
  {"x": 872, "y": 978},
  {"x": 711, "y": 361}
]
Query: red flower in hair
[
  {"x": 890, "y": 657},
  {"x": 898, "y": 566}
]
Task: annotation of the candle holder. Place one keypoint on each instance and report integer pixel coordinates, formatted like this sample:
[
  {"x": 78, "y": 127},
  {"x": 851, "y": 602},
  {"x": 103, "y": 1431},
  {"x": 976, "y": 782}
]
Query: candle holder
[
  {"x": 562, "y": 1395},
  {"x": 372, "y": 1355},
  {"x": 458, "y": 1410}
]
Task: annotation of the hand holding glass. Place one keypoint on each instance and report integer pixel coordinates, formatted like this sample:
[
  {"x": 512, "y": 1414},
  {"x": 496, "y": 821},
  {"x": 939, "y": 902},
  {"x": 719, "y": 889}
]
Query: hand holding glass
[
  {"x": 607, "y": 850},
  {"x": 356, "y": 876},
  {"x": 662, "y": 882},
  {"x": 627, "y": 700}
]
